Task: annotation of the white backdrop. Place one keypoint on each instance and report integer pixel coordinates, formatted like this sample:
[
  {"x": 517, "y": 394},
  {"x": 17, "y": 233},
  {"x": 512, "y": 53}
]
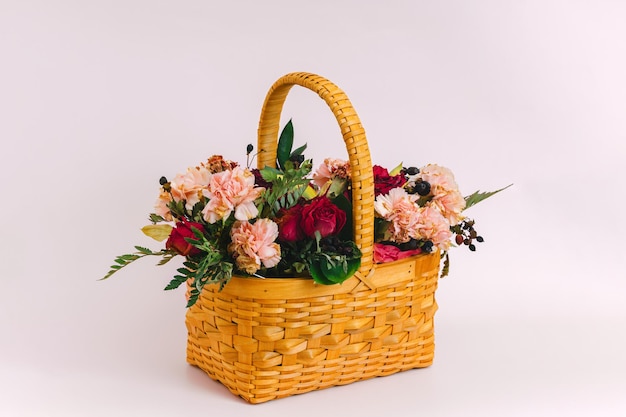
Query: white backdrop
[{"x": 99, "y": 99}]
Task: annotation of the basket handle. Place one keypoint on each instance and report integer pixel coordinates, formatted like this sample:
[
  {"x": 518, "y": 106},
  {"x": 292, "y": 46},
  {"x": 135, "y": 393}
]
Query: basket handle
[{"x": 356, "y": 144}]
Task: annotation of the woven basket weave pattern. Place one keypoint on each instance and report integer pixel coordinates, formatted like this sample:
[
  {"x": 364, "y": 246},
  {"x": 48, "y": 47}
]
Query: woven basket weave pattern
[{"x": 272, "y": 338}]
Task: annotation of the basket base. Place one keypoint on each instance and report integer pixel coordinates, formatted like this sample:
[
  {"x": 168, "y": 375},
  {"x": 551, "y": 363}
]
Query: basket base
[
  {"x": 263, "y": 349},
  {"x": 259, "y": 387}
]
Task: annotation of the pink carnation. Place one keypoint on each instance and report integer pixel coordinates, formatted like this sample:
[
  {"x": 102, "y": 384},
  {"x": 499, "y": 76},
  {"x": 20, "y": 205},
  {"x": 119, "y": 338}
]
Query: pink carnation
[
  {"x": 433, "y": 226},
  {"x": 161, "y": 208},
  {"x": 331, "y": 168},
  {"x": 441, "y": 179},
  {"x": 444, "y": 190},
  {"x": 254, "y": 244},
  {"x": 451, "y": 206},
  {"x": 190, "y": 185},
  {"x": 231, "y": 190},
  {"x": 401, "y": 210}
]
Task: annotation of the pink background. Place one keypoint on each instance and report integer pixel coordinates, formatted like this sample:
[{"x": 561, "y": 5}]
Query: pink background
[{"x": 99, "y": 99}]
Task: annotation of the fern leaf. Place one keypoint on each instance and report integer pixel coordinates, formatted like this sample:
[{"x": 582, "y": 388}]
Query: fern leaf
[{"x": 176, "y": 282}]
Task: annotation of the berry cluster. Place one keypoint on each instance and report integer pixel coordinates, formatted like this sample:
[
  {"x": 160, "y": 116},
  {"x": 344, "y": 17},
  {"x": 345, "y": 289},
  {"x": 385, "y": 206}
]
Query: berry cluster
[
  {"x": 466, "y": 234},
  {"x": 424, "y": 245},
  {"x": 332, "y": 244},
  {"x": 419, "y": 187}
]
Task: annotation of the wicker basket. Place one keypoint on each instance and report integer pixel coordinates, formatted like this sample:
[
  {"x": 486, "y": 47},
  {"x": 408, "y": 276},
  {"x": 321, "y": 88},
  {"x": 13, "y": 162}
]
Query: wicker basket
[{"x": 272, "y": 338}]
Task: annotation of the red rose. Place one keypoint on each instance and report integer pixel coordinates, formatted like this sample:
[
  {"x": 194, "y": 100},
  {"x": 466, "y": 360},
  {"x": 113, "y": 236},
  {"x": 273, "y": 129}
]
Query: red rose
[
  {"x": 323, "y": 216},
  {"x": 177, "y": 237},
  {"x": 383, "y": 182},
  {"x": 289, "y": 229}
]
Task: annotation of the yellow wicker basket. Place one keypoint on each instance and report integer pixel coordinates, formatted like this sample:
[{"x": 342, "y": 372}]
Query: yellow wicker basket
[{"x": 271, "y": 338}]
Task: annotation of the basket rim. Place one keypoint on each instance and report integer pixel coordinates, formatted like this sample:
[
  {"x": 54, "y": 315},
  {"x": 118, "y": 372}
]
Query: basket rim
[{"x": 302, "y": 287}]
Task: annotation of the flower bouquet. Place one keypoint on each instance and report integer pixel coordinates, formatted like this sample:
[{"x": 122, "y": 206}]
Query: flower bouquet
[
  {"x": 300, "y": 278},
  {"x": 285, "y": 222}
]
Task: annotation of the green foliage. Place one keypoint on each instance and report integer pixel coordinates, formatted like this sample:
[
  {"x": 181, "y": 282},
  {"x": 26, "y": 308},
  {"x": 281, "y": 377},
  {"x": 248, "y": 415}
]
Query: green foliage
[
  {"x": 479, "y": 196},
  {"x": 289, "y": 180},
  {"x": 209, "y": 267},
  {"x": 208, "y": 270},
  {"x": 124, "y": 260},
  {"x": 287, "y": 187}
]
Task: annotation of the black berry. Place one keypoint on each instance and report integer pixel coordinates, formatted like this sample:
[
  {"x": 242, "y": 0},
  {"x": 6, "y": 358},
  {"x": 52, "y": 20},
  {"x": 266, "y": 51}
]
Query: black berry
[{"x": 422, "y": 188}]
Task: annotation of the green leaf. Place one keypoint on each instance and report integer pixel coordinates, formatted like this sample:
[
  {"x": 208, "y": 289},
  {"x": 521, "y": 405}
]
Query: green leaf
[
  {"x": 318, "y": 275},
  {"x": 166, "y": 259},
  {"x": 126, "y": 259},
  {"x": 396, "y": 170},
  {"x": 285, "y": 143},
  {"x": 337, "y": 187},
  {"x": 158, "y": 232},
  {"x": 144, "y": 250},
  {"x": 298, "y": 151},
  {"x": 345, "y": 205},
  {"x": 193, "y": 297},
  {"x": 479, "y": 196},
  {"x": 155, "y": 218},
  {"x": 176, "y": 282},
  {"x": 270, "y": 174},
  {"x": 334, "y": 269},
  {"x": 186, "y": 272},
  {"x": 445, "y": 269}
]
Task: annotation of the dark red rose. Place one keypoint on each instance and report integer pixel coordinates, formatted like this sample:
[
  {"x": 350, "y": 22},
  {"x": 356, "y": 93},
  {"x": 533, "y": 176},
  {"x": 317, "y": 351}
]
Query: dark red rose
[
  {"x": 323, "y": 216},
  {"x": 289, "y": 229},
  {"x": 383, "y": 182},
  {"x": 259, "y": 180},
  {"x": 177, "y": 237}
]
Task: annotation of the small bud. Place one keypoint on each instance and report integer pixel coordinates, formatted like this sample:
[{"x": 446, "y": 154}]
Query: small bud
[
  {"x": 480, "y": 239},
  {"x": 472, "y": 247},
  {"x": 162, "y": 180},
  {"x": 249, "y": 149}
]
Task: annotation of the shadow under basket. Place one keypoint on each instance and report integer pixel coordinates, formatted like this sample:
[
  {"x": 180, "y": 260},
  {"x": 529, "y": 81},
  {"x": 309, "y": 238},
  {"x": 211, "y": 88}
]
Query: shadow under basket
[
  {"x": 263, "y": 347},
  {"x": 271, "y": 338}
]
